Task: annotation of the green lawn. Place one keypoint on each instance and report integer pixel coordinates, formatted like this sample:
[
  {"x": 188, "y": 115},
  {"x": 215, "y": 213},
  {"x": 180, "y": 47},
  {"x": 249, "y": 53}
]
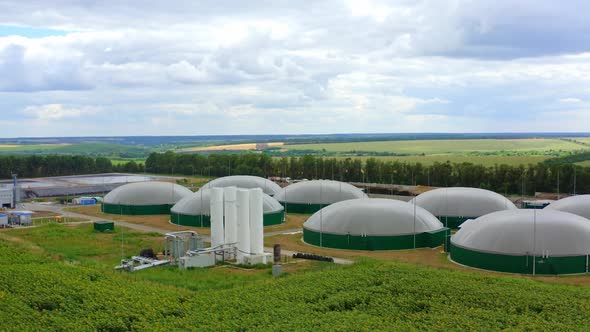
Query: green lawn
[{"x": 440, "y": 147}]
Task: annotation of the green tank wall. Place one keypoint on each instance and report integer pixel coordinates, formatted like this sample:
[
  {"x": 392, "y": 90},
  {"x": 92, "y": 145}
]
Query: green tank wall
[
  {"x": 453, "y": 222},
  {"x": 357, "y": 242},
  {"x": 269, "y": 219},
  {"x": 136, "y": 209},
  {"x": 302, "y": 207},
  {"x": 518, "y": 264}
]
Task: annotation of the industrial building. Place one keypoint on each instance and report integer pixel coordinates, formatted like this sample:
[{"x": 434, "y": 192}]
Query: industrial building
[
  {"x": 6, "y": 197},
  {"x": 579, "y": 205},
  {"x": 144, "y": 198},
  {"x": 194, "y": 210},
  {"x": 245, "y": 182},
  {"x": 524, "y": 241},
  {"x": 455, "y": 205},
  {"x": 311, "y": 196},
  {"x": 374, "y": 224}
]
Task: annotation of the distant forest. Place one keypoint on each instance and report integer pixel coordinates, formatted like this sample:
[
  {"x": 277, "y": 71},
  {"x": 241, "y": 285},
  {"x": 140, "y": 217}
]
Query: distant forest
[
  {"x": 505, "y": 179},
  {"x": 53, "y": 165}
]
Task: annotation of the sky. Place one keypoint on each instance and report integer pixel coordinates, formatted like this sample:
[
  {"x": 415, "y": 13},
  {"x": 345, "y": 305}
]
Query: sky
[{"x": 112, "y": 68}]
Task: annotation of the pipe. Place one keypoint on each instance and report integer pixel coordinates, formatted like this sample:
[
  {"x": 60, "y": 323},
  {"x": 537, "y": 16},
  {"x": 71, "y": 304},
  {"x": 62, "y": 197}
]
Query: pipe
[
  {"x": 243, "y": 204},
  {"x": 256, "y": 222},
  {"x": 216, "y": 205},
  {"x": 231, "y": 216}
]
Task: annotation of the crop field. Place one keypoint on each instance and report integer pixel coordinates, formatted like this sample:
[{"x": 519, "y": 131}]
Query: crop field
[
  {"x": 540, "y": 146},
  {"x": 60, "y": 278},
  {"x": 233, "y": 147}
]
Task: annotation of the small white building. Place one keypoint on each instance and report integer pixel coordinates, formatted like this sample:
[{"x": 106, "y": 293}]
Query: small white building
[{"x": 6, "y": 197}]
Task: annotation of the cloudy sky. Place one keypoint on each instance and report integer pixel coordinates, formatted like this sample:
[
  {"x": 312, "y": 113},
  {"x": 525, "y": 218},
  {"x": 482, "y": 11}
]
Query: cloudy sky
[{"x": 81, "y": 68}]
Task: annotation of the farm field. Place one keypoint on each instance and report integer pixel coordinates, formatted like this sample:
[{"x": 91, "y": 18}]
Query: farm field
[
  {"x": 541, "y": 146},
  {"x": 94, "y": 149},
  {"x": 61, "y": 277},
  {"x": 233, "y": 147},
  {"x": 479, "y": 160}
]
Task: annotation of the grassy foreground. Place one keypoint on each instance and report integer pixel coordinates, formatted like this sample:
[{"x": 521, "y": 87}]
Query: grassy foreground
[{"x": 40, "y": 289}]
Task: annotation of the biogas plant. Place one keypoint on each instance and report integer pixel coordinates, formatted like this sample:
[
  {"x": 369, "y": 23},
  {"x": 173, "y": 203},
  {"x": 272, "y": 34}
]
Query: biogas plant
[{"x": 474, "y": 227}]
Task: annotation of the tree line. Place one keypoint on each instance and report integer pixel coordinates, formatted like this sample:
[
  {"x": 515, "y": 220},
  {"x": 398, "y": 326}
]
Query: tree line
[
  {"x": 56, "y": 165},
  {"x": 505, "y": 179}
]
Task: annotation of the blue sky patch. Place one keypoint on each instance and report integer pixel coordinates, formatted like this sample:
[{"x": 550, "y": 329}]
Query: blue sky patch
[{"x": 29, "y": 32}]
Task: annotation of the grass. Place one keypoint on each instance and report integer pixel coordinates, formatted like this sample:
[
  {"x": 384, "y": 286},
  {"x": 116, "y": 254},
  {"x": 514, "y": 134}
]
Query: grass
[
  {"x": 80, "y": 244},
  {"x": 541, "y": 146},
  {"x": 420, "y": 257},
  {"x": 48, "y": 220},
  {"x": 157, "y": 221},
  {"x": 40, "y": 293}
]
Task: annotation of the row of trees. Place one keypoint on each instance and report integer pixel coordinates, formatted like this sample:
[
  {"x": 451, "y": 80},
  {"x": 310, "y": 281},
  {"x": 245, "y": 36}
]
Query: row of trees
[
  {"x": 543, "y": 177},
  {"x": 54, "y": 165},
  {"x": 506, "y": 179}
]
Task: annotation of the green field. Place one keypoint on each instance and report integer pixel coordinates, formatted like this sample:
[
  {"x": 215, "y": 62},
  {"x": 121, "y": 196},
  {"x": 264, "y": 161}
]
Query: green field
[
  {"x": 483, "y": 160},
  {"x": 93, "y": 149},
  {"x": 540, "y": 147},
  {"x": 59, "y": 278}
]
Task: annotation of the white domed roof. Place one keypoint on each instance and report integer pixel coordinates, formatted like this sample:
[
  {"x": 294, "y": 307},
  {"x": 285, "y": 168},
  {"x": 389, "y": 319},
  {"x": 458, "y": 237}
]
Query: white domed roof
[
  {"x": 319, "y": 192},
  {"x": 147, "y": 193},
  {"x": 511, "y": 232},
  {"x": 372, "y": 216},
  {"x": 462, "y": 202},
  {"x": 199, "y": 204},
  {"x": 579, "y": 205},
  {"x": 245, "y": 182}
]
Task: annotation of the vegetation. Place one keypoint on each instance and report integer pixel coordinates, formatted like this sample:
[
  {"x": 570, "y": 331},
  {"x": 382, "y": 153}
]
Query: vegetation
[
  {"x": 500, "y": 178},
  {"x": 41, "y": 291},
  {"x": 84, "y": 148},
  {"x": 54, "y": 165},
  {"x": 541, "y": 146}
]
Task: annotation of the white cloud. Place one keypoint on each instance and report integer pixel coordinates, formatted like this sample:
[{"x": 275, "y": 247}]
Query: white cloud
[
  {"x": 231, "y": 67},
  {"x": 57, "y": 111},
  {"x": 570, "y": 100}
]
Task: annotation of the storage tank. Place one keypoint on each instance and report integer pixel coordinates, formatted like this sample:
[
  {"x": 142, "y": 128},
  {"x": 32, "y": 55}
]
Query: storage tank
[
  {"x": 374, "y": 224},
  {"x": 524, "y": 241},
  {"x": 579, "y": 205},
  {"x": 311, "y": 196},
  {"x": 194, "y": 210},
  {"x": 246, "y": 182},
  {"x": 144, "y": 198},
  {"x": 455, "y": 205}
]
